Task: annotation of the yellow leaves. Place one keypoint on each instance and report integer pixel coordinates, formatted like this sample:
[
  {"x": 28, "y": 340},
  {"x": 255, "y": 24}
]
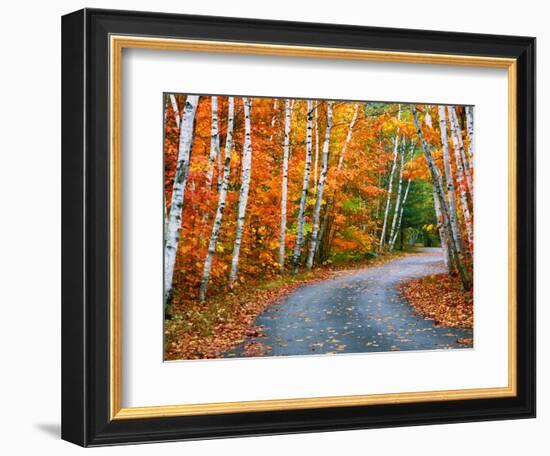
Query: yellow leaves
[{"x": 430, "y": 228}]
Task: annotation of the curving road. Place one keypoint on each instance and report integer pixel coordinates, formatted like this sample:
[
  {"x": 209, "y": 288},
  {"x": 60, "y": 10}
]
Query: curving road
[{"x": 356, "y": 312}]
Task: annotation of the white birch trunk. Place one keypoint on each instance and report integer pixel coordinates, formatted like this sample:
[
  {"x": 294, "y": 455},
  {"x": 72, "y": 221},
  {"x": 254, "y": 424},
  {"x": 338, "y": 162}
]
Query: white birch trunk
[
  {"x": 284, "y": 185},
  {"x": 303, "y": 199},
  {"x": 178, "y": 195},
  {"x": 459, "y": 147},
  {"x": 428, "y": 117},
  {"x": 470, "y": 131},
  {"x": 399, "y": 221},
  {"x": 221, "y": 201},
  {"x": 449, "y": 178},
  {"x": 274, "y": 117},
  {"x": 443, "y": 239},
  {"x": 398, "y": 199},
  {"x": 245, "y": 187},
  {"x": 214, "y": 143},
  {"x": 403, "y": 199},
  {"x": 316, "y": 164},
  {"x": 321, "y": 186},
  {"x": 390, "y": 184},
  {"x": 176, "y": 110},
  {"x": 166, "y": 99},
  {"x": 462, "y": 186},
  {"x": 348, "y": 137}
]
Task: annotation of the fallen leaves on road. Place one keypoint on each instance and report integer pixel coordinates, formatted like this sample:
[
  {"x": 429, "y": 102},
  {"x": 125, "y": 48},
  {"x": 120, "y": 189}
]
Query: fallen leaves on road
[
  {"x": 256, "y": 349},
  {"x": 199, "y": 331},
  {"x": 440, "y": 297},
  {"x": 465, "y": 341}
]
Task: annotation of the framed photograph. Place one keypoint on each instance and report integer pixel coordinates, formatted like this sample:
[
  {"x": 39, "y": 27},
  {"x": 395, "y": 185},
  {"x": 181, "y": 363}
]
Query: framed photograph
[{"x": 279, "y": 227}]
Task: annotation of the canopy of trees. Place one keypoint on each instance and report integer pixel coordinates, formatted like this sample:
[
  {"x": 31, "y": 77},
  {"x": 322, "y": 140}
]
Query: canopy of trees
[{"x": 259, "y": 187}]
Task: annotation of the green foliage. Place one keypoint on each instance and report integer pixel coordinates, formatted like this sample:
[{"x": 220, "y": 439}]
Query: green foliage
[
  {"x": 419, "y": 214},
  {"x": 352, "y": 205}
]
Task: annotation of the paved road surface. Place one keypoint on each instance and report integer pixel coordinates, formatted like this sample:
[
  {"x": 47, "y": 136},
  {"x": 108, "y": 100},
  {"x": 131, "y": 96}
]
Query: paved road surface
[{"x": 355, "y": 312}]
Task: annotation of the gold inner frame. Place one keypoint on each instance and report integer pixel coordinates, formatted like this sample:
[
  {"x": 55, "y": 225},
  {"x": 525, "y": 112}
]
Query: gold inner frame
[{"x": 117, "y": 44}]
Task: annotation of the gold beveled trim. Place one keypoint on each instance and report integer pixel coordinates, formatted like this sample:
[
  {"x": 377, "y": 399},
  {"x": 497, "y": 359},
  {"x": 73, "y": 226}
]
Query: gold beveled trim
[
  {"x": 117, "y": 43},
  {"x": 115, "y": 244},
  {"x": 512, "y": 227},
  {"x": 170, "y": 44},
  {"x": 309, "y": 403}
]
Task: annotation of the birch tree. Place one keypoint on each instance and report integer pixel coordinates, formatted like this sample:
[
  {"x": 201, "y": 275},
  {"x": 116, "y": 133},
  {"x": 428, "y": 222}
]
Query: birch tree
[
  {"x": 459, "y": 147},
  {"x": 462, "y": 182},
  {"x": 400, "y": 219},
  {"x": 274, "y": 116},
  {"x": 166, "y": 99},
  {"x": 442, "y": 237},
  {"x": 305, "y": 186},
  {"x": 390, "y": 183},
  {"x": 178, "y": 196},
  {"x": 449, "y": 178},
  {"x": 284, "y": 185},
  {"x": 348, "y": 137},
  {"x": 245, "y": 186},
  {"x": 214, "y": 154},
  {"x": 175, "y": 108},
  {"x": 321, "y": 185},
  {"x": 316, "y": 165},
  {"x": 470, "y": 132},
  {"x": 428, "y": 117},
  {"x": 214, "y": 143},
  {"x": 398, "y": 199},
  {"x": 437, "y": 183},
  {"x": 221, "y": 201}
]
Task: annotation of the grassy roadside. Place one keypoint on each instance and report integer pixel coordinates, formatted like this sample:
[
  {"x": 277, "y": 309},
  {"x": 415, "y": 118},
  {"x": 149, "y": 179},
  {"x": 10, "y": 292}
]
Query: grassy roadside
[{"x": 206, "y": 331}]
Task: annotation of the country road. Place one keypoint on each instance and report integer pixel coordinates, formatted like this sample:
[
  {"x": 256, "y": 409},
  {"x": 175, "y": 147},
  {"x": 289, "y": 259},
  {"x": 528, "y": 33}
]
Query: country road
[{"x": 354, "y": 312}]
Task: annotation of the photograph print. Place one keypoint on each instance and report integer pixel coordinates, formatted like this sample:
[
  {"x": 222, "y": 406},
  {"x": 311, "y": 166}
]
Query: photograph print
[{"x": 297, "y": 227}]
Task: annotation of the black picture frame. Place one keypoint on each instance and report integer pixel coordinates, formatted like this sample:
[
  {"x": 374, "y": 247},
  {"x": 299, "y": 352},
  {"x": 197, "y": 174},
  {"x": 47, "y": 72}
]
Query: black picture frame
[{"x": 85, "y": 227}]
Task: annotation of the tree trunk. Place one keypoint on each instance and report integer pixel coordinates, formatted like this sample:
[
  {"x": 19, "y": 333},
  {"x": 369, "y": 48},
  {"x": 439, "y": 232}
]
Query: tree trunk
[
  {"x": 316, "y": 163},
  {"x": 303, "y": 199},
  {"x": 462, "y": 185},
  {"x": 438, "y": 186},
  {"x": 245, "y": 187},
  {"x": 390, "y": 184},
  {"x": 284, "y": 186},
  {"x": 348, "y": 138},
  {"x": 176, "y": 110},
  {"x": 214, "y": 154},
  {"x": 428, "y": 117},
  {"x": 165, "y": 220},
  {"x": 274, "y": 117},
  {"x": 214, "y": 143},
  {"x": 449, "y": 178},
  {"x": 321, "y": 186},
  {"x": 398, "y": 199},
  {"x": 399, "y": 221},
  {"x": 459, "y": 147},
  {"x": 377, "y": 211},
  {"x": 178, "y": 196},
  {"x": 443, "y": 239},
  {"x": 470, "y": 131},
  {"x": 221, "y": 201}
]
